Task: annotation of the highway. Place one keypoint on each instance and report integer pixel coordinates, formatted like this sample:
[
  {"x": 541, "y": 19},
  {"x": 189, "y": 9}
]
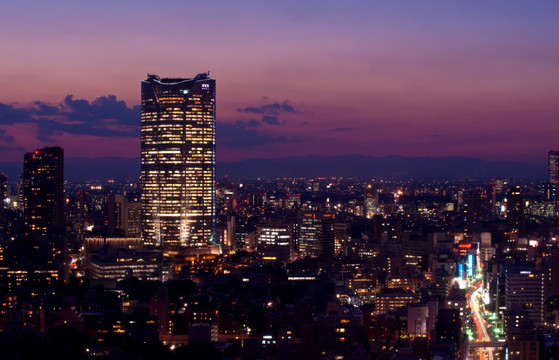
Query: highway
[{"x": 482, "y": 333}]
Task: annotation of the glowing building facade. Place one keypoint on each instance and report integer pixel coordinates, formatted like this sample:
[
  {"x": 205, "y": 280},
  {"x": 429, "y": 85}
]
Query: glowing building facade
[
  {"x": 315, "y": 234},
  {"x": 178, "y": 161}
]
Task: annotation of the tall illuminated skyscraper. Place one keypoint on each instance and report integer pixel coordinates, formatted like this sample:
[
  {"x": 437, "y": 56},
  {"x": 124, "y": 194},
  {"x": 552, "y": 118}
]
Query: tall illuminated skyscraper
[{"x": 178, "y": 161}]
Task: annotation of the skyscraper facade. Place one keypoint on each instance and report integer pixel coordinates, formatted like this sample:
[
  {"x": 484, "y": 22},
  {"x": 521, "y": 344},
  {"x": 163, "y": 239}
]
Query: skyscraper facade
[
  {"x": 178, "y": 161},
  {"x": 43, "y": 192},
  {"x": 553, "y": 166}
]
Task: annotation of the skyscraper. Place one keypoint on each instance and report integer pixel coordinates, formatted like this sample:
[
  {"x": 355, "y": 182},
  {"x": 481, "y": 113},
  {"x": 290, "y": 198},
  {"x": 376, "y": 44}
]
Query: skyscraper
[
  {"x": 516, "y": 219},
  {"x": 553, "y": 166},
  {"x": 43, "y": 202},
  {"x": 43, "y": 192},
  {"x": 472, "y": 209},
  {"x": 178, "y": 161}
]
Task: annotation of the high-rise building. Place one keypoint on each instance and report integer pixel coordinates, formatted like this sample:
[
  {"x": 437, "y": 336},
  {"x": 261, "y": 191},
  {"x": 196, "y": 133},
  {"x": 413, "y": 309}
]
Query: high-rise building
[
  {"x": 178, "y": 161},
  {"x": 553, "y": 166},
  {"x": 516, "y": 219},
  {"x": 43, "y": 192},
  {"x": 371, "y": 202},
  {"x": 472, "y": 209},
  {"x": 123, "y": 216},
  {"x": 525, "y": 291},
  {"x": 43, "y": 202},
  {"x": 116, "y": 213},
  {"x": 315, "y": 234}
]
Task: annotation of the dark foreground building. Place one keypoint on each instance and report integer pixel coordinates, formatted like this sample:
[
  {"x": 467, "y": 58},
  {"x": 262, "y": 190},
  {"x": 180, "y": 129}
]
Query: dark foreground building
[
  {"x": 43, "y": 192},
  {"x": 43, "y": 200}
]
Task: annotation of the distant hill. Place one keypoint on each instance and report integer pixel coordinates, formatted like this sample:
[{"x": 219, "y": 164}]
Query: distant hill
[
  {"x": 392, "y": 166},
  {"x": 359, "y": 166}
]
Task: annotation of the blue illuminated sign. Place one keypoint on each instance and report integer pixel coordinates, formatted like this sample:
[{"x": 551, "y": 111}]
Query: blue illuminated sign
[{"x": 470, "y": 264}]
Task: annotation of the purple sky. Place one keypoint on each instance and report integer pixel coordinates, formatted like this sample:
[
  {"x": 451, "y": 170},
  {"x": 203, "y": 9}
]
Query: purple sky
[{"x": 413, "y": 78}]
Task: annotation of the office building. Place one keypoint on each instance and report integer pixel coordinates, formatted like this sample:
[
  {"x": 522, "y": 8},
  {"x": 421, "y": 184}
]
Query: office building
[
  {"x": 553, "y": 166},
  {"x": 43, "y": 205},
  {"x": 133, "y": 220},
  {"x": 43, "y": 192},
  {"x": 123, "y": 217},
  {"x": 96, "y": 242},
  {"x": 525, "y": 291},
  {"x": 472, "y": 209},
  {"x": 116, "y": 210},
  {"x": 418, "y": 314},
  {"x": 315, "y": 234},
  {"x": 516, "y": 219},
  {"x": 393, "y": 299},
  {"x": 522, "y": 343},
  {"x": 449, "y": 326},
  {"x": 178, "y": 161},
  {"x": 119, "y": 264},
  {"x": 274, "y": 241},
  {"x": 371, "y": 202}
]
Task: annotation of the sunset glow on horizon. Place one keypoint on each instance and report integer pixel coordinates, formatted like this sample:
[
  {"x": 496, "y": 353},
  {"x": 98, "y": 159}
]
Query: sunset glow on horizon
[{"x": 373, "y": 78}]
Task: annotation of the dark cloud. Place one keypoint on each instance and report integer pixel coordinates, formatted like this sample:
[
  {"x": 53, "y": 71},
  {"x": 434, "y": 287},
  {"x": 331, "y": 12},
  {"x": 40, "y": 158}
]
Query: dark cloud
[
  {"x": 41, "y": 108},
  {"x": 266, "y": 119},
  {"x": 106, "y": 109},
  {"x": 251, "y": 123},
  {"x": 105, "y": 116},
  {"x": 241, "y": 134},
  {"x": 79, "y": 106},
  {"x": 4, "y": 136},
  {"x": 270, "y": 120},
  {"x": 271, "y": 109},
  {"x": 9, "y": 115},
  {"x": 340, "y": 129}
]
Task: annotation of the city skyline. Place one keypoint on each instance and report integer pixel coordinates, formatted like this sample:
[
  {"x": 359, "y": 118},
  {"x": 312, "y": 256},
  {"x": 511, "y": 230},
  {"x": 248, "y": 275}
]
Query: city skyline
[
  {"x": 321, "y": 78},
  {"x": 384, "y": 185}
]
